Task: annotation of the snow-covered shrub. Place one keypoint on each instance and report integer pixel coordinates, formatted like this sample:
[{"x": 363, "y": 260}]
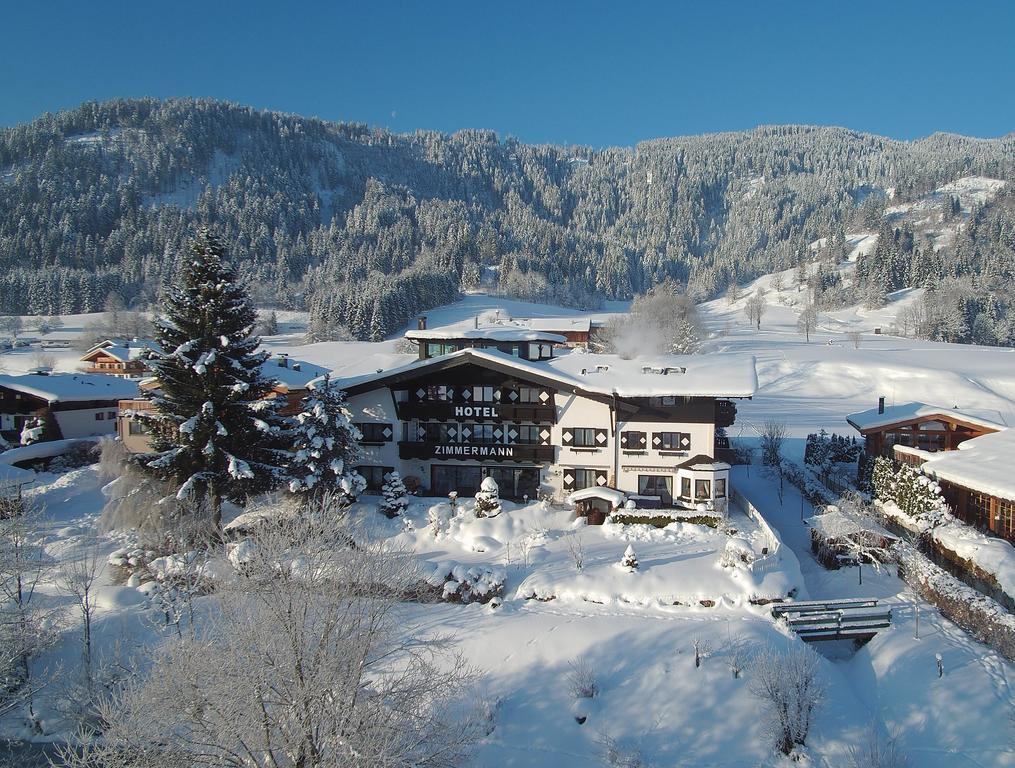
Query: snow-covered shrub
[
  {"x": 620, "y": 754},
  {"x": 737, "y": 653},
  {"x": 33, "y": 431},
  {"x": 788, "y": 685},
  {"x": 913, "y": 492},
  {"x": 438, "y": 517},
  {"x": 877, "y": 751},
  {"x": 476, "y": 584},
  {"x": 78, "y": 455},
  {"x": 394, "y": 496},
  {"x": 629, "y": 562},
  {"x": 581, "y": 679},
  {"x": 488, "y": 499},
  {"x": 702, "y": 650},
  {"x": 738, "y": 553}
]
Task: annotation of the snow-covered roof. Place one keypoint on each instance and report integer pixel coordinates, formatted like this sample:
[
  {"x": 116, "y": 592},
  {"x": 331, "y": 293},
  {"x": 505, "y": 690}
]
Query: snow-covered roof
[
  {"x": 612, "y": 495},
  {"x": 835, "y": 524},
  {"x": 70, "y": 387},
  {"x": 295, "y": 374},
  {"x": 495, "y": 333},
  {"x": 983, "y": 464},
  {"x": 45, "y": 449},
  {"x": 703, "y": 463},
  {"x": 122, "y": 349},
  {"x": 895, "y": 414},
  {"x": 686, "y": 375},
  {"x": 559, "y": 324}
]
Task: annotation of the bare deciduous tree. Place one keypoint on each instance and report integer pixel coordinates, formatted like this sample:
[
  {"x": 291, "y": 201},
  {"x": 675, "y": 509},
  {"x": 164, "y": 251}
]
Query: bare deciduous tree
[
  {"x": 26, "y": 628},
  {"x": 755, "y": 308},
  {"x": 310, "y": 660},
  {"x": 78, "y": 578},
  {"x": 737, "y": 652},
  {"x": 789, "y": 686},
  {"x": 576, "y": 548},
  {"x": 581, "y": 679},
  {"x": 856, "y": 337},
  {"x": 807, "y": 323},
  {"x": 771, "y": 443}
]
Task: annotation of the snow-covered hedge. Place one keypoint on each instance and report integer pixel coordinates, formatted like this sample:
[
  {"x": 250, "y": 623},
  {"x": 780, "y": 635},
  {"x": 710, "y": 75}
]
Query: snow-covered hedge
[
  {"x": 982, "y": 617},
  {"x": 470, "y": 584},
  {"x": 913, "y": 492}
]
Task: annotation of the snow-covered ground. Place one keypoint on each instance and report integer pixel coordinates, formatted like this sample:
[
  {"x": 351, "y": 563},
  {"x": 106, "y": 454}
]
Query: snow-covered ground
[{"x": 638, "y": 629}]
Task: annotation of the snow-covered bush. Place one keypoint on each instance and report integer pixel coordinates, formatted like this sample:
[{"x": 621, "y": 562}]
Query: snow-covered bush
[
  {"x": 33, "y": 430},
  {"x": 394, "y": 496},
  {"x": 913, "y": 492},
  {"x": 475, "y": 584},
  {"x": 738, "y": 553},
  {"x": 581, "y": 679},
  {"x": 629, "y": 562},
  {"x": 788, "y": 685},
  {"x": 487, "y": 499}
]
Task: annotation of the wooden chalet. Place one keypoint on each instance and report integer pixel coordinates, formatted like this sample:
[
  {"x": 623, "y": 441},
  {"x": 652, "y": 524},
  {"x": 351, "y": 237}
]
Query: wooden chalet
[
  {"x": 970, "y": 455},
  {"x": 123, "y": 358}
]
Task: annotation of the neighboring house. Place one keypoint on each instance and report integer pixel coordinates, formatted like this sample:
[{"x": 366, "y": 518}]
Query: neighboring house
[
  {"x": 505, "y": 403},
  {"x": 73, "y": 404},
  {"x": 970, "y": 455},
  {"x": 292, "y": 382},
  {"x": 119, "y": 357}
]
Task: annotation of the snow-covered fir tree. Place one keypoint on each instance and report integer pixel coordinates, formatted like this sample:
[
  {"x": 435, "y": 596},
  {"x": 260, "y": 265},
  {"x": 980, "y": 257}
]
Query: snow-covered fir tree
[
  {"x": 488, "y": 499},
  {"x": 629, "y": 561},
  {"x": 394, "y": 496},
  {"x": 325, "y": 444},
  {"x": 215, "y": 432}
]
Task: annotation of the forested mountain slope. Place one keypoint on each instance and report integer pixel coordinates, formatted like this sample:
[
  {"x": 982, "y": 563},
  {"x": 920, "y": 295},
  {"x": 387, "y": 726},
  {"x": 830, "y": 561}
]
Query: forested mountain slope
[{"x": 367, "y": 227}]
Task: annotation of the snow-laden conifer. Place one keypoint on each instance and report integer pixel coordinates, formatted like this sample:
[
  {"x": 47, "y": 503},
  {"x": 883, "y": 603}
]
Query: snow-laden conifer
[
  {"x": 487, "y": 499},
  {"x": 394, "y": 496},
  {"x": 215, "y": 432},
  {"x": 325, "y": 444}
]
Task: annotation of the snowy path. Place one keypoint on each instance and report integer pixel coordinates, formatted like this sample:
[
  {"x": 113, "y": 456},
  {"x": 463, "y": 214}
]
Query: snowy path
[{"x": 940, "y": 722}]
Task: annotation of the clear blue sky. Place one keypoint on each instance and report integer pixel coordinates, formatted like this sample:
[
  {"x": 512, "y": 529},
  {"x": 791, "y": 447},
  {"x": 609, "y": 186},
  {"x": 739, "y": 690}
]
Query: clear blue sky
[{"x": 551, "y": 71}]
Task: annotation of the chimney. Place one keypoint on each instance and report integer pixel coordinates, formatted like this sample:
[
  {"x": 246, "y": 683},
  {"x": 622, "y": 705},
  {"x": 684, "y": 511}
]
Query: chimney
[
  {"x": 296, "y": 366},
  {"x": 881, "y": 405},
  {"x": 421, "y": 323},
  {"x": 283, "y": 361}
]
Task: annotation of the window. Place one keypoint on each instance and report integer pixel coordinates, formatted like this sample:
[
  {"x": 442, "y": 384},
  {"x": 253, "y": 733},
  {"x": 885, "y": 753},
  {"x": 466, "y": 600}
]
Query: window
[
  {"x": 685, "y": 487},
  {"x": 656, "y": 485},
  {"x": 435, "y": 393},
  {"x": 1004, "y": 518},
  {"x": 100, "y": 417},
  {"x": 375, "y": 433},
  {"x": 110, "y": 414},
  {"x": 978, "y": 509},
  {"x": 528, "y": 434},
  {"x": 136, "y": 428},
  {"x": 702, "y": 489},
  {"x": 482, "y": 395},
  {"x": 671, "y": 441},
  {"x": 437, "y": 348},
  {"x": 374, "y": 476},
  {"x": 529, "y": 395},
  {"x": 583, "y": 478},
  {"x": 480, "y": 433},
  {"x": 540, "y": 351},
  {"x": 720, "y": 489},
  {"x": 633, "y": 441},
  {"x": 584, "y": 437}
]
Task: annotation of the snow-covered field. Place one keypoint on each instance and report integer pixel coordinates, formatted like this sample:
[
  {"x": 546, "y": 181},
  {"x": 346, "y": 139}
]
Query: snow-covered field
[{"x": 637, "y": 630}]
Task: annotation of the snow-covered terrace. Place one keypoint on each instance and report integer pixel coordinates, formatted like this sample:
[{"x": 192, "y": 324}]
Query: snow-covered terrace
[
  {"x": 665, "y": 375},
  {"x": 497, "y": 333}
]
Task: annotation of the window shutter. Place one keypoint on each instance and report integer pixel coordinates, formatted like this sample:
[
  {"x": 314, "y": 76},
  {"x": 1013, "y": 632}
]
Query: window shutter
[
  {"x": 544, "y": 436},
  {"x": 568, "y": 480},
  {"x": 567, "y": 437},
  {"x": 601, "y": 438},
  {"x": 684, "y": 441},
  {"x": 601, "y": 478}
]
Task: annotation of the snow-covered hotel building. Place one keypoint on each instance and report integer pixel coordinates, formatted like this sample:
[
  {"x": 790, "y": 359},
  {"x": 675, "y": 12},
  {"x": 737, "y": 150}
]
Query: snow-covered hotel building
[{"x": 512, "y": 403}]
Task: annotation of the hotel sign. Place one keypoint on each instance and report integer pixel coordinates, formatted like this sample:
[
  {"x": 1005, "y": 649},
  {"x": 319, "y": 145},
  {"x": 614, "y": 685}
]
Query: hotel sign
[
  {"x": 465, "y": 451},
  {"x": 492, "y": 412},
  {"x": 475, "y": 451}
]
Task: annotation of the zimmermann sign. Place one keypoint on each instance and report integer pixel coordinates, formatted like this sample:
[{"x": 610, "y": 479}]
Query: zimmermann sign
[{"x": 479, "y": 451}]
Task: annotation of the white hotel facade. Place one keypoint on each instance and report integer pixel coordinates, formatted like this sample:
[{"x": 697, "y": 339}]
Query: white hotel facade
[{"x": 515, "y": 404}]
